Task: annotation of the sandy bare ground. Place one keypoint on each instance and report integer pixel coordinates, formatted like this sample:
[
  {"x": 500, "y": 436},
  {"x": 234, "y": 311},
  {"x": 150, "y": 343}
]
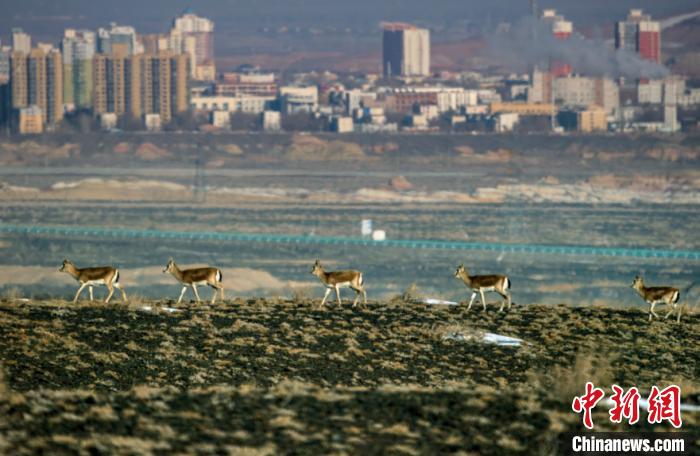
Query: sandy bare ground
[{"x": 603, "y": 189}]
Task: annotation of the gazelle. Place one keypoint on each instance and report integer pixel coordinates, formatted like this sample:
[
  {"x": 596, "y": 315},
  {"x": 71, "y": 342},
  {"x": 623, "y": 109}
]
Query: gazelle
[
  {"x": 336, "y": 280},
  {"x": 479, "y": 284},
  {"x": 194, "y": 277},
  {"x": 658, "y": 295},
  {"x": 88, "y": 277}
]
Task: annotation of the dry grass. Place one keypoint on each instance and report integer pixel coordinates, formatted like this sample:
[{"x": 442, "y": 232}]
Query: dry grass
[{"x": 267, "y": 376}]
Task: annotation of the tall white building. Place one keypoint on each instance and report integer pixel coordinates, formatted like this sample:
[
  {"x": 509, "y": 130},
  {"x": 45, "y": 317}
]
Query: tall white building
[
  {"x": 194, "y": 36},
  {"x": 21, "y": 42},
  {"x": 405, "y": 50}
]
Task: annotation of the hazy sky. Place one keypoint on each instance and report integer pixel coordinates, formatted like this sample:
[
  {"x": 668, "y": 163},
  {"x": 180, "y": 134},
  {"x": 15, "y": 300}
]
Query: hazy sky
[
  {"x": 47, "y": 18},
  {"x": 152, "y": 15}
]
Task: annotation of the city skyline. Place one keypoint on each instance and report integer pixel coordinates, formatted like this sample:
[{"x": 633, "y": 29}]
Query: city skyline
[{"x": 541, "y": 66}]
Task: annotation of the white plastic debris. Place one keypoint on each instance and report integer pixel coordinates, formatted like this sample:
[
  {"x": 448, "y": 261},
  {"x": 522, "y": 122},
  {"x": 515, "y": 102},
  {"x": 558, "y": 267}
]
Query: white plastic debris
[
  {"x": 433, "y": 301},
  {"x": 491, "y": 338},
  {"x": 151, "y": 309},
  {"x": 487, "y": 338}
]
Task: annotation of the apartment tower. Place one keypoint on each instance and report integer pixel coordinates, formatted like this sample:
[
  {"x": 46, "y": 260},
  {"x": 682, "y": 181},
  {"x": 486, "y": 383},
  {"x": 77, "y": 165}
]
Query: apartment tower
[
  {"x": 639, "y": 34},
  {"x": 78, "y": 48},
  {"x": 405, "y": 50}
]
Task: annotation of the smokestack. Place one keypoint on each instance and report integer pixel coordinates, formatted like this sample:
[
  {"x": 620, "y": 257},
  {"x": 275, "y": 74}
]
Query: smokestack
[{"x": 533, "y": 8}]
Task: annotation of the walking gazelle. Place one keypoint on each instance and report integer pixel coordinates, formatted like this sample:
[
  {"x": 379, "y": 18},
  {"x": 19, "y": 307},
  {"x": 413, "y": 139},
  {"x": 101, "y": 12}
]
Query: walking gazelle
[
  {"x": 658, "y": 295},
  {"x": 479, "y": 284},
  {"x": 335, "y": 280},
  {"x": 88, "y": 277},
  {"x": 194, "y": 277}
]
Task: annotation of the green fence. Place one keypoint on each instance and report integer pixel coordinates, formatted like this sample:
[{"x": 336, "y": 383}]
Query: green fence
[{"x": 336, "y": 240}]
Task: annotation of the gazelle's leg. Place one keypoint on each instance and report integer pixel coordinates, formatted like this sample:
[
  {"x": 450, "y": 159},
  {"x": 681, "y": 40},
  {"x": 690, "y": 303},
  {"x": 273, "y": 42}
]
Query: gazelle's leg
[
  {"x": 216, "y": 291},
  {"x": 325, "y": 296},
  {"x": 673, "y": 308},
  {"x": 364, "y": 297},
  {"x": 483, "y": 300},
  {"x": 80, "y": 290},
  {"x": 471, "y": 301},
  {"x": 196, "y": 294},
  {"x": 337, "y": 295},
  {"x": 652, "y": 310},
  {"x": 119, "y": 287},
  {"x": 357, "y": 297},
  {"x": 111, "y": 292},
  {"x": 680, "y": 309},
  {"x": 505, "y": 299},
  {"x": 182, "y": 293},
  {"x": 90, "y": 290}
]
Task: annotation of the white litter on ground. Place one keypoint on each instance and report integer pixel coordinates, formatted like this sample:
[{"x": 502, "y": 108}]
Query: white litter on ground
[
  {"x": 491, "y": 338},
  {"x": 487, "y": 337},
  {"x": 151, "y": 309},
  {"x": 434, "y": 301}
]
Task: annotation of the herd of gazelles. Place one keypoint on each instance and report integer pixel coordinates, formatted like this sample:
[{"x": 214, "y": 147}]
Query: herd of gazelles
[{"x": 335, "y": 280}]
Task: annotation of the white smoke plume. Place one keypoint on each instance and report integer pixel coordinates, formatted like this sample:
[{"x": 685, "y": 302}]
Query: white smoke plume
[{"x": 531, "y": 42}]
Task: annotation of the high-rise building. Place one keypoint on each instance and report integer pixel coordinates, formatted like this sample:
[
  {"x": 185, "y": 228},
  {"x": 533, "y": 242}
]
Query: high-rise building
[
  {"x": 154, "y": 43},
  {"x": 194, "y": 36},
  {"x": 78, "y": 48},
  {"x": 639, "y": 34},
  {"x": 141, "y": 84},
  {"x": 21, "y": 42},
  {"x": 5, "y": 54},
  {"x": 118, "y": 34},
  {"x": 18, "y": 79},
  {"x": 405, "y": 50},
  {"x": 45, "y": 83},
  {"x": 562, "y": 30},
  {"x": 5, "y": 103},
  {"x": 37, "y": 80}
]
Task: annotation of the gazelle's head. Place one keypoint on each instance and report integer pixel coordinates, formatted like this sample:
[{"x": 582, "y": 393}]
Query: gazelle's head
[
  {"x": 317, "y": 269},
  {"x": 169, "y": 267},
  {"x": 66, "y": 264},
  {"x": 460, "y": 273},
  {"x": 638, "y": 283}
]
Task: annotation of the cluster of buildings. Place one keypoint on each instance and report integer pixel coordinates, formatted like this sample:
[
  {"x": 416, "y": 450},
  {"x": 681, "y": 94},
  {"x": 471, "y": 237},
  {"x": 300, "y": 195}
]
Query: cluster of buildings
[
  {"x": 116, "y": 74},
  {"x": 111, "y": 73}
]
